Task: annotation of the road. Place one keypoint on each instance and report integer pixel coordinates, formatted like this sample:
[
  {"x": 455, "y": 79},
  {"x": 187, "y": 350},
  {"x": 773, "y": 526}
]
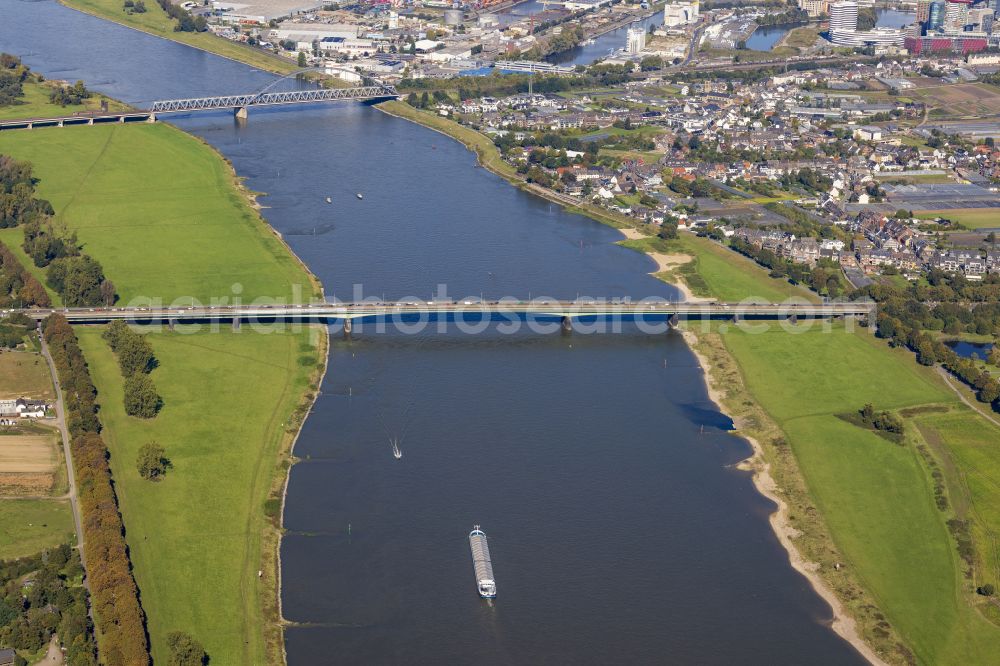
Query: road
[
  {"x": 470, "y": 308},
  {"x": 70, "y": 469}
]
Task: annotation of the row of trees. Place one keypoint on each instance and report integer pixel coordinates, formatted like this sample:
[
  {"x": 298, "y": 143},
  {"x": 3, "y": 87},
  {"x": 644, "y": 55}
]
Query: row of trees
[
  {"x": 136, "y": 361},
  {"x": 78, "y": 278},
  {"x": 117, "y": 612},
  {"x": 42, "y": 595},
  {"x": 18, "y": 287},
  {"x": 825, "y": 278}
]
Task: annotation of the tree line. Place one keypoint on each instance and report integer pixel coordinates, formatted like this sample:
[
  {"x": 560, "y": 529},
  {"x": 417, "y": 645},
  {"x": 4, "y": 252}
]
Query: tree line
[
  {"x": 136, "y": 361},
  {"x": 42, "y": 595},
  {"x": 18, "y": 287},
  {"x": 824, "y": 278},
  {"x": 118, "y": 614},
  {"x": 947, "y": 303},
  {"x": 78, "y": 278}
]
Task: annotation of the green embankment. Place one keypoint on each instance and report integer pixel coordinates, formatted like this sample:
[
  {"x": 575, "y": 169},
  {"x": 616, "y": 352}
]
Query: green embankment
[
  {"x": 28, "y": 526},
  {"x": 156, "y": 22},
  {"x": 36, "y": 104},
  {"x": 196, "y": 537},
  {"x": 160, "y": 210},
  {"x": 876, "y": 498},
  {"x": 166, "y": 217}
]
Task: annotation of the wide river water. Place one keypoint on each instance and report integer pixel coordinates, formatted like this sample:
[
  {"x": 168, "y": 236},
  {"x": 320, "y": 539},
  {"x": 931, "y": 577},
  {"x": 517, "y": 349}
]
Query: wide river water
[{"x": 620, "y": 530}]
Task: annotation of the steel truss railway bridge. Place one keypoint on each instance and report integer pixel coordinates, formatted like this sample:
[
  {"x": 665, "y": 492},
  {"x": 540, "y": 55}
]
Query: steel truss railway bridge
[
  {"x": 405, "y": 312},
  {"x": 240, "y": 103}
]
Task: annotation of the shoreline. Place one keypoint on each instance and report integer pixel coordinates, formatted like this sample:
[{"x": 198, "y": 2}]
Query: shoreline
[
  {"x": 288, "y": 454},
  {"x": 102, "y": 17},
  {"x": 843, "y": 624}
]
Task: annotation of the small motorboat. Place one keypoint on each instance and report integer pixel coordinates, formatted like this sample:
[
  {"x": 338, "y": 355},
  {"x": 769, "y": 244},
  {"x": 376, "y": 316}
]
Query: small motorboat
[
  {"x": 361, "y": 196},
  {"x": 329, "y": 200}
]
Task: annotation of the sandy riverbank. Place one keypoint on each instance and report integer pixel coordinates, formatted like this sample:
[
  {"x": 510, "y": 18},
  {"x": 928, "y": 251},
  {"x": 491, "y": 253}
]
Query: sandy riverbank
[
  {"x": 667, "y": 263},
  {"x": 843, "y": 624}
]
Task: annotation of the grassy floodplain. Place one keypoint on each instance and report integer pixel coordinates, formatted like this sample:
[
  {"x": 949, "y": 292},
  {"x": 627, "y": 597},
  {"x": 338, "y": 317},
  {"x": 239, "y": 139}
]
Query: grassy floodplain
[
  {"x": 196, "y": 537},
  {"x": 854, "y": 498},
  {"x": 167, "y": 218},
  {"x": 160, "y": 210},
  {"x": 36, "y": 104},
  {"x": 156, "y": 22}
]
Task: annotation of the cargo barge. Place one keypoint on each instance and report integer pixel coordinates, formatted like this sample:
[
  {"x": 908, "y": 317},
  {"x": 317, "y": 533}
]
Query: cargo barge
[{"x": 485, "y": 582}]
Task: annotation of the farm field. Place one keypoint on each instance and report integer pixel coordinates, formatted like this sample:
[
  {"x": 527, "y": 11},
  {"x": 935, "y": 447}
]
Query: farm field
[
  {"x": 24, "y": 375},
  {"x": 30, "y": 464},
  {"x": 960, "y": 99},
  {"x": 973, "y": 218},
  {"x": 28, "y": 526}
]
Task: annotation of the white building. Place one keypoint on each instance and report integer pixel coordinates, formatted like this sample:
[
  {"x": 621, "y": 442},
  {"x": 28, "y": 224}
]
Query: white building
[
  {"x": 844, "y": 16},
  {"x": 636, "y": 39},
  {"x": 679, "y": 13},
  {"x": 863, "y": 38}
]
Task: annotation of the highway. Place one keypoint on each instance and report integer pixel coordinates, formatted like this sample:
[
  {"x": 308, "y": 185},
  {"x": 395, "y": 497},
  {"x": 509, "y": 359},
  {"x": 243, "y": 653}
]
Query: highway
[{"x": 467, "y": 309}]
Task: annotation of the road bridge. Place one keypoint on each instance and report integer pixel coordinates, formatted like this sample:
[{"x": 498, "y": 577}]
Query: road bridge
[
  {"x": 470, "y": 310},
  {"x": 240, "y": 103}
]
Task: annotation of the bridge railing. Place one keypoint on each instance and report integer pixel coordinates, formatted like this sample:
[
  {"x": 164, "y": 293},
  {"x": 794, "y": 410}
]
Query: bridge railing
[{"x": 273, "y": 98}]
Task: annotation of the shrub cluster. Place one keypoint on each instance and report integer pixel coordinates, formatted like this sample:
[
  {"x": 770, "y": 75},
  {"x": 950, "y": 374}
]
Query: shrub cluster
[
  {"x": 18, "y": 204},
  {"x": 117, "y": 611},
  {"x": 883, "y": 420},
  {"x": 185, "y": 21},
  {"x": 12, "y": 77},
  {"x": 40, "y": 596},
  {"x": 136, "y": 360},
  {"x": 67, "y": 95},
  {"x": 18, "y": 287}
]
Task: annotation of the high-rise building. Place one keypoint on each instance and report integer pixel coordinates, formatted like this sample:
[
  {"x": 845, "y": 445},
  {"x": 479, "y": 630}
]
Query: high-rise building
[
  {"x": 844, "y": 16},
  {"x": 679, "y": 13},
  {"x": 956, "y": 14},
  {"x": 923, "y": 11},
  {"x": 636, "y": 39},
  {"x": 936, "y": 18},
  {"x": 815, "y": 8}
]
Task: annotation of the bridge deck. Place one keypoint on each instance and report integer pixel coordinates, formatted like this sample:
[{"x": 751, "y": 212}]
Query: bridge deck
[
  {"x": 469, "y": 310},
  {"x": 273, "y": 98}
]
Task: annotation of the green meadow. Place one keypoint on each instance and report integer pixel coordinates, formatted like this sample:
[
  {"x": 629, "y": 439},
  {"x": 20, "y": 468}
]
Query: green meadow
[
  {"x": 876, "y": 497},
  {"x": 196, "y": 537},
  {"x": 28, "y": 526},
  {"x": 159, "y": 209}
]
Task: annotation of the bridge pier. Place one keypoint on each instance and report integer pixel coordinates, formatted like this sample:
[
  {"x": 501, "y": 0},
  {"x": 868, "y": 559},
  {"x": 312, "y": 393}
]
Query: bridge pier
[
  {"x": 90, "y": 121},
  {"x": 121, "y": 119},
  {"x": 241, "y": 113},
  {"x": 60, "y": 124},
  {"x": 236, "y": 323},
  {"x": 673, "y": 321},
  {"x": 567, "y": 325},
  {"x": 152, "y": 118},
  {"x": 171, "y": 323},
  {"x": 347, "y": 329}
]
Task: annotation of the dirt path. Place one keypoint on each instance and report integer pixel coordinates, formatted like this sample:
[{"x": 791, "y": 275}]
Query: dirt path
[
  {"x": 70, "y": 470},
  {"x": 961, "y": 396},
  {"x": 53, "y": 656}
]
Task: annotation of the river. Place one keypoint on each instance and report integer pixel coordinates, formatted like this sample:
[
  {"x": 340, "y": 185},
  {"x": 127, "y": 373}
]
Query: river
[{"x": 620, "y": 530}]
